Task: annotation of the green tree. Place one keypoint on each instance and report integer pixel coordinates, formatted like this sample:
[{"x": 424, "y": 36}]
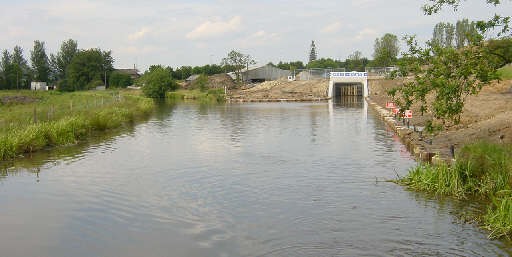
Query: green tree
[
  {"x": 447, "y": 74},
  {"x": 183, "y": 72},
  {"x": 355, "y": 62},
  {"x": 291, "y": 65},
  {"x": 502, "y": 23},
  {"x": 157, "y": 82},
  {"x": 386, "y": 50},
  {"x": 201, "y": 82},
  {"x": 120, "y": 80},
  {"x": 465, "y": 33},
  {"x": 444, "y": 34},
  {"x": 323, "y": 63},
  {"x": 312, "y": 52},
  {"x": 40, "y": 63},
  {"x": 60, "y": 62},
  {"x": 20, "y": 71},
  {"x": 500, "y": 50},
  {"x": 87, "y": 66},
  {"x": 239, "y": 61},
  {"x": 6, "y": 70}
]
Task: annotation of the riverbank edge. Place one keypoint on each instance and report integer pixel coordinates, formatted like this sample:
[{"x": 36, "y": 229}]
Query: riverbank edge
[
  {"x": 323, "y": 99},
  {"x": 71, "y": 129},
  {"x": 410, "y": 138}
]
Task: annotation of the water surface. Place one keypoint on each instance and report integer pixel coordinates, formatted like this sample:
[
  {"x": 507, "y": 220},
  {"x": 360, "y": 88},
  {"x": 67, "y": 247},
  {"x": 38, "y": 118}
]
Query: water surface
[{"x": 272, "y": 179}]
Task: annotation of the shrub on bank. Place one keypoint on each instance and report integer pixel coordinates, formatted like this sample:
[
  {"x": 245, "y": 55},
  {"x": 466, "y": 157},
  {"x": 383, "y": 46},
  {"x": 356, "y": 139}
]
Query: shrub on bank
[{"x": 482, "y": 170}]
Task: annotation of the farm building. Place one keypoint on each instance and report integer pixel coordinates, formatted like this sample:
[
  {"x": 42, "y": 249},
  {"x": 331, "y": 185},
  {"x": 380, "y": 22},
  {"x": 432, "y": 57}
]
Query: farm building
[
  {"x": 263, "y": 73},
  {"x": 134, "y": 73}
]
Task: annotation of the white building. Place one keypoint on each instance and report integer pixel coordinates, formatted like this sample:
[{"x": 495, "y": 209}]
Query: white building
[{"x": 40, "y": 86}]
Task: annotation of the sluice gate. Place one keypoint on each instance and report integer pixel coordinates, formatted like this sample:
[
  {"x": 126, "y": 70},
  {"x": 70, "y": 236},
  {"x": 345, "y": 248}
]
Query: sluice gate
[{"x": 348, "y": 90}]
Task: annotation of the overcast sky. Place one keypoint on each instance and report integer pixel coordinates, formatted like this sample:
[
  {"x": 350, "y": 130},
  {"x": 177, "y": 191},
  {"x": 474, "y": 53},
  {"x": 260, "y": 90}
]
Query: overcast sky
[{"x": 198, "y": 32}]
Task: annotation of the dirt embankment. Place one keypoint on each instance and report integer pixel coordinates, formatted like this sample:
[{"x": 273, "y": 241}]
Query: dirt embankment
[
  {"x": 487, "y": 116},
  {"x": 283, "y": 90},
  {"x": 17, "y": 99},
  {"x": 221, "y": 81}
]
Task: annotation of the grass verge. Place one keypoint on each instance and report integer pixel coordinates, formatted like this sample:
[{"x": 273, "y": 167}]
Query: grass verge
[
  {"x": 505, "y": 72},
  {"x": 482, "y": 170},
  {"x": 54, "y": 118}
]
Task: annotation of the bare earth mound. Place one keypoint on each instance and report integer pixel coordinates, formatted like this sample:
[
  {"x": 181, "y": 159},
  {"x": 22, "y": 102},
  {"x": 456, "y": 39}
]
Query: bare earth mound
[
  {"x": 283, "y": 90},
  {"x": 487, "y": 116},
  {"x": 221, "y": 80},
  {"x": 17, "y": 99}
]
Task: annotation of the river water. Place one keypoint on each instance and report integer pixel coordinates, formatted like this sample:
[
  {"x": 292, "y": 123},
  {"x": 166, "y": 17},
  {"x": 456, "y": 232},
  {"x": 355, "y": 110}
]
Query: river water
[{"x": 271, "y": 179}]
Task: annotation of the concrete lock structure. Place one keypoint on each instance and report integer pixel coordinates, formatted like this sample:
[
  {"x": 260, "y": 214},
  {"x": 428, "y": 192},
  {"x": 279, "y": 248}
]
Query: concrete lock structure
[{"x": 348, "y": 83}]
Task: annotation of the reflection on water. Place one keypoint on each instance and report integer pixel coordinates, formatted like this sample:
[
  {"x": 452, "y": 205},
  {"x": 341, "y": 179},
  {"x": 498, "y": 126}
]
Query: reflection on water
[{"x": 273, "y": 179}]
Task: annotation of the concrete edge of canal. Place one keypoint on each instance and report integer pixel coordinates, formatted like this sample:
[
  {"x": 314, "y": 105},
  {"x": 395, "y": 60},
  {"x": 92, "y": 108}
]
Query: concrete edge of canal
[{"x": 409, "y": 137}]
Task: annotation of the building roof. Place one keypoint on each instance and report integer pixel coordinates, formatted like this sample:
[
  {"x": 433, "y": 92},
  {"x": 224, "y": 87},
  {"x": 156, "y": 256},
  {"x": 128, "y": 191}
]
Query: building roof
[
  {"x": 128, "y": 71},
  {"x": 192, "y": 77}
]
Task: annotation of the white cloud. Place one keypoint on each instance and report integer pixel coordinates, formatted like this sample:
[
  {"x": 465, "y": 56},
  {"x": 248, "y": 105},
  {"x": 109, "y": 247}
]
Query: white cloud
[
  {"x": 366, "y": 33},
  {"x": 134, "y": 50},
  {"x": 213, "y": 29},
  {"x": 331, "y": 28},
  {"x": 259, "y": 38},
  {"x": 139, "y": 34}
]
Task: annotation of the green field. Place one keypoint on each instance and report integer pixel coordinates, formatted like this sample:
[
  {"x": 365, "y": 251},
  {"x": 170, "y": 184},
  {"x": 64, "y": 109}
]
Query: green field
[
  {"x": 506, "y": 72},
  {"x": 33, "y": 120}
]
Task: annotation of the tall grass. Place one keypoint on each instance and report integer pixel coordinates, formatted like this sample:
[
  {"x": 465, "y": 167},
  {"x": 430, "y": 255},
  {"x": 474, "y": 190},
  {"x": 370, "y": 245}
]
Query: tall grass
[
  {"x": 482, "y": 170},
  {"x": 211, "y": 95},
  {"x": 64, "y": 118}
]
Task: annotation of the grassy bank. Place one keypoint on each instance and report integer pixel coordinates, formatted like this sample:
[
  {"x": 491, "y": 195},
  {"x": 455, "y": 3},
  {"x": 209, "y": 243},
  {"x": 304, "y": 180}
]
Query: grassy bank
[
  {"x": 211, "y": 95},
  {"x": 482, "y": 170},
  {"x": 31, "y": 120},
  {"x": 506, "y": 72}
]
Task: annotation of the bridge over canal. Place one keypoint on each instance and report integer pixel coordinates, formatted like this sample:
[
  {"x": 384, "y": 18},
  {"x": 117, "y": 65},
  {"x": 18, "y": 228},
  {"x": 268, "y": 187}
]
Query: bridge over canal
[{"x": 348, "y": 84}]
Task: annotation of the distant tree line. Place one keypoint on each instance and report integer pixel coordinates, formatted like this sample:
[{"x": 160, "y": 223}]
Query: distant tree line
[
  {"x": 459, "y": 35},
  {"x": 70, "y": 68}
]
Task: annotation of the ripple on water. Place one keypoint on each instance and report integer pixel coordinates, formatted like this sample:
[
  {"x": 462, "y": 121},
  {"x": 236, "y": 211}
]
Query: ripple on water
[{"x": 294, "y": 179}]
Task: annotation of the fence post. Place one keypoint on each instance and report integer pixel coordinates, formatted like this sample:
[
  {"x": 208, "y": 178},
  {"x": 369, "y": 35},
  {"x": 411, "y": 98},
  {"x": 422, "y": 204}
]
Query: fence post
[{"x": 35, "y": 115}]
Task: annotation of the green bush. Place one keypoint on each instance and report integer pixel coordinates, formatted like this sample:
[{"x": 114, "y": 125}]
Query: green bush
[
  {"x": 64, "y": 86},
  {"x": 95, "y": 83},
  {"x": 157, "y": 82},
  {"x": 120, "y": 80}
]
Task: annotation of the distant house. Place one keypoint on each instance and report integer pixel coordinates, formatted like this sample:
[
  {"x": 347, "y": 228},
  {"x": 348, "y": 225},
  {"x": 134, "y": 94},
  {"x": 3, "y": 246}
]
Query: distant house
[
  {"x": 134, "y": 73},
  {"x": 35, "y": 85},
  {"x": 264, "y": 73}
]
